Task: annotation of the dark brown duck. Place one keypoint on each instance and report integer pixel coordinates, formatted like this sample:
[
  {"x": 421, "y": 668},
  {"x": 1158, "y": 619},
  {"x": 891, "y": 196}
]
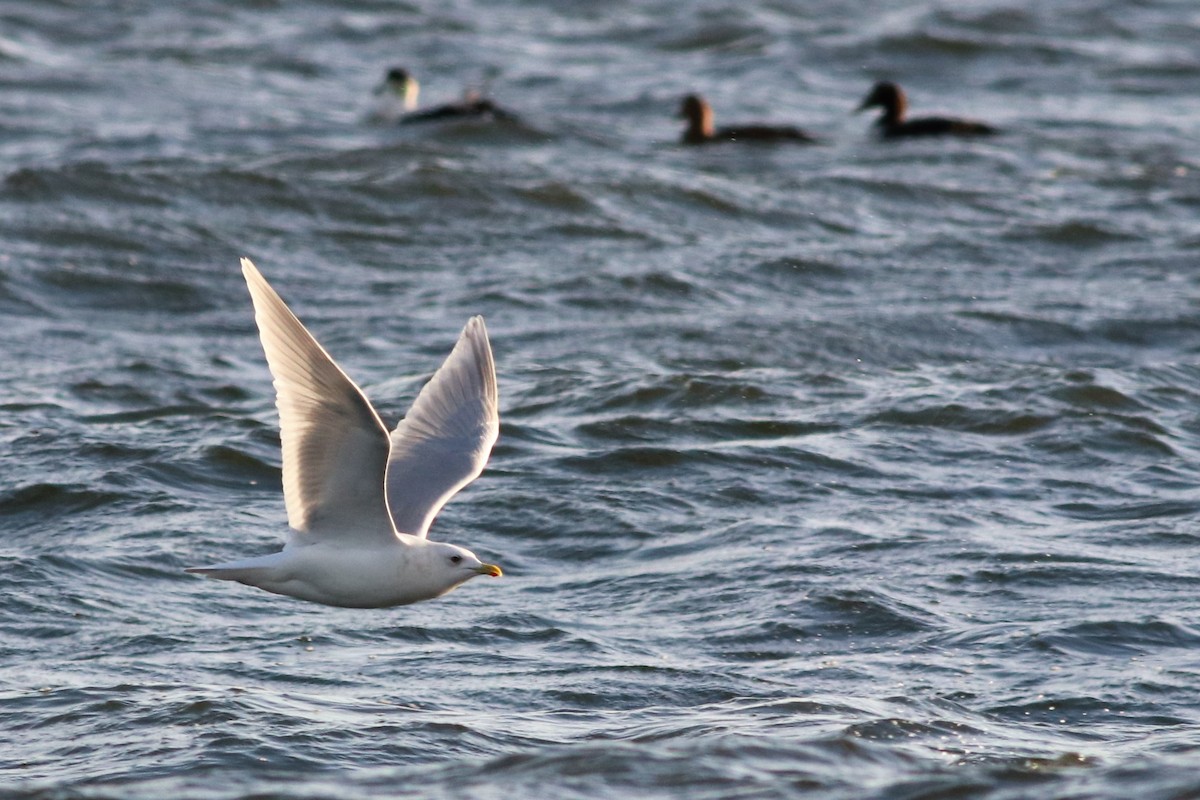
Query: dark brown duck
[
  {"x": 700, "y": 129},
  {"x": 893, "y": 124}
]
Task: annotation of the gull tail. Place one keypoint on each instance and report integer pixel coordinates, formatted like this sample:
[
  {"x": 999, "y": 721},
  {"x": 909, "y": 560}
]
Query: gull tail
[{"x": 250, "y": 571}]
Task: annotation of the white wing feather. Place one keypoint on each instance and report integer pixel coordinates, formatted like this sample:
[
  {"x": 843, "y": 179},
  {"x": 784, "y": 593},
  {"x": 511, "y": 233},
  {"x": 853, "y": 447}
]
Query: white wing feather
[
  {"x": 447, "y": 436},
  {"x": 335, "y": 447}
]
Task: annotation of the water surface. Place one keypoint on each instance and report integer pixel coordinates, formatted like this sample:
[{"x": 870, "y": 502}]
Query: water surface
[{"x": 855, "y": 471}]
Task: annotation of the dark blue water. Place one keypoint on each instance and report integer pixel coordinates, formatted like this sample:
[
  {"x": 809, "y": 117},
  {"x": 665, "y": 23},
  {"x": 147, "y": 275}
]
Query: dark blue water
[{"x": 865, "y": 470}]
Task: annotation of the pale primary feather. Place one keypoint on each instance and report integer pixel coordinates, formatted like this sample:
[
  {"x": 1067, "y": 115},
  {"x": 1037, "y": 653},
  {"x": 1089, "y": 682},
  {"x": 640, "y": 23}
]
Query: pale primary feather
[
  {"x": 444, "y": 441},
  {"x": 335, "y": 447}
]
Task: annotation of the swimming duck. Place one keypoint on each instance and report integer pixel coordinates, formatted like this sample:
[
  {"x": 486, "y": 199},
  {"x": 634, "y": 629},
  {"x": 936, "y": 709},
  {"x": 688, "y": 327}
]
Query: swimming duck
[
  {"x": 700, "y": 128},
  {"x": 892, "y": 124},
  {"x": 400, "y": 90}
]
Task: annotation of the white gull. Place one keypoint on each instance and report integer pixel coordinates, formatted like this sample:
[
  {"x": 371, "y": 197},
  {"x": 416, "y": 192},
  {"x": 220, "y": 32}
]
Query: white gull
[{"x": 360, "y": 500}]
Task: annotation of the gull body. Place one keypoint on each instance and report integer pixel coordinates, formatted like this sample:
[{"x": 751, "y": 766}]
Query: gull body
[
  {"x": 359, "y": 499},
  {"x": 357, "y": 577}
]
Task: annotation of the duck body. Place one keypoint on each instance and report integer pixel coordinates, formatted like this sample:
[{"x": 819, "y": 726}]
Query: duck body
[
  {"x": 700, "y": 128},
  {"x": 894, "y": 124},
  {"x": 470, "y": 107},
  {"x": 935, "y": 126}
]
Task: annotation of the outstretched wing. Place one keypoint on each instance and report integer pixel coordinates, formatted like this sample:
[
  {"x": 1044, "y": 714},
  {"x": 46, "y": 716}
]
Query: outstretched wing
[
  {"x": 445, "y": 440},
  {"x": 335, "y": 448}
]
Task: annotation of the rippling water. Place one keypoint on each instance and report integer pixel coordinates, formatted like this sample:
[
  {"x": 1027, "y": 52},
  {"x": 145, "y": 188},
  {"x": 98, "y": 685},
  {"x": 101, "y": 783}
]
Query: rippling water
[{"x": 854, "y": 471}]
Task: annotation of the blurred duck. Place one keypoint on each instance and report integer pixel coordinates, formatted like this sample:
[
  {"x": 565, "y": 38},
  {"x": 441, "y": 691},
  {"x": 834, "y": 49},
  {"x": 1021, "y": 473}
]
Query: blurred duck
[
  {"x": 893, "y": 125},
  {"x": 397, "y": 102},
  {"x": 700, "y": 130}
]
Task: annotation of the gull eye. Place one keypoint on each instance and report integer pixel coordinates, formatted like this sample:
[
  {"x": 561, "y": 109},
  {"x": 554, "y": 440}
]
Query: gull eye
[{"x": 455, "y": 559}]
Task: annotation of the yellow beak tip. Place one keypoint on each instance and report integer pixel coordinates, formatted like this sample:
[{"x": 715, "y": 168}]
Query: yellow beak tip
[{"x": 490, "y": 570}]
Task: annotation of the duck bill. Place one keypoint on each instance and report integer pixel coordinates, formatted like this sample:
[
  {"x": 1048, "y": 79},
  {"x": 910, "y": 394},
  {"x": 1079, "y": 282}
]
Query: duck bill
[{"x": 491, "y": 570}]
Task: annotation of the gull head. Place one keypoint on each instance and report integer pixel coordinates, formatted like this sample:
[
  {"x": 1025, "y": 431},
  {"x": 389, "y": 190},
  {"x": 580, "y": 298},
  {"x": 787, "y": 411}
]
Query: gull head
[{"x": 458, "y": 564}]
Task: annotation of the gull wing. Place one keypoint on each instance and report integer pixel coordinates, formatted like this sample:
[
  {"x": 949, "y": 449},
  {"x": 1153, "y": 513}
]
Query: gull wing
[
  {"x": 335, "y": 447},
  {"x": 447, "y": 436}
]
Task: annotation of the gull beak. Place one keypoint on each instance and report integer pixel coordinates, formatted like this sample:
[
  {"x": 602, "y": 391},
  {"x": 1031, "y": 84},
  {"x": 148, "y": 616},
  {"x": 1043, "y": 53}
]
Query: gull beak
[{"x": 491, "y": 570}]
